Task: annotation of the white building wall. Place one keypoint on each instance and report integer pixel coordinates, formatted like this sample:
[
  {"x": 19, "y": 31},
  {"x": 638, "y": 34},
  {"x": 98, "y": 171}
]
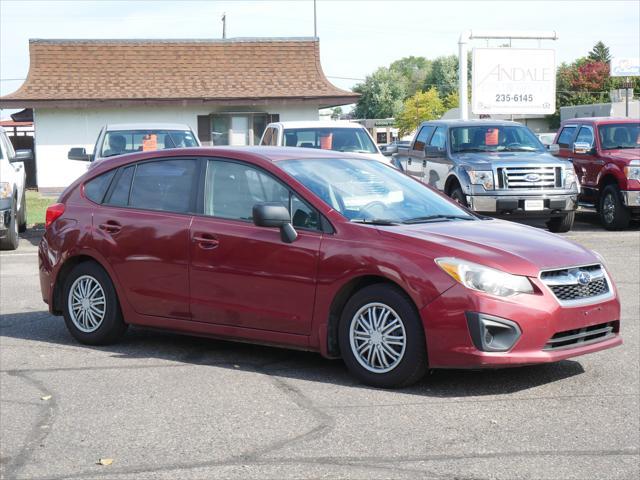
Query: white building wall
[{"x": 57, "y": 130}]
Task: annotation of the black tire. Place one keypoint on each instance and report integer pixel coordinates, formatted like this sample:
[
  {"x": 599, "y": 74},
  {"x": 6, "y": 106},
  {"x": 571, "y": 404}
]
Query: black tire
[
  {"x": 458, "y": 195},
  {"x": 412, "y": 365},
  {"x": 112, "y": 326},
  {"x": 561, "y": 224},
  {"x": 11, "y": 240},
  {"x": 22, "y": 214},
  {"x": 614, "y": 215}
]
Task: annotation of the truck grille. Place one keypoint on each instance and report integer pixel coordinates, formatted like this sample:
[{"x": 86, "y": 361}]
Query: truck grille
[
  {"x": 529, "y": 178},
  {"x": 580, "y": 336},
  {"x": 577, "y": 284}
]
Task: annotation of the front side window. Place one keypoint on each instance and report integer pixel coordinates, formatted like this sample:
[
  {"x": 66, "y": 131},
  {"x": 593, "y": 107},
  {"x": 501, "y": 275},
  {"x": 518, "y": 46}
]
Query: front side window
[
  {"x": 120, "y": 142},
  {"x": 494, "y": 138},
  {"x": 232, "y": 189},
  {"x": 363, "y": 190},
  {"x": 439, "y": 138},
  {"x": 585, "y": 135},
  {"x": 166, "y": 185},
  {"x": 566, "y": 135},
  {"x": 619, "y": 136},
  {"x": 339, "y": 139},
  {"x": 95, "y": 188}
]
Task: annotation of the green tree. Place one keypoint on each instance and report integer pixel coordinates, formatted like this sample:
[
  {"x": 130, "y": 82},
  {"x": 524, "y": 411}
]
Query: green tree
[
  {"x": 336, "y": 112},
  {"x": 421, "y": 106},
  {"x": 443, "y": 75},
  {"x": 451, "y": 101},
  {"x": 600, "y": 53},
  {"x": 381, "y": 95},
  {"x": 414, "y": 71}
]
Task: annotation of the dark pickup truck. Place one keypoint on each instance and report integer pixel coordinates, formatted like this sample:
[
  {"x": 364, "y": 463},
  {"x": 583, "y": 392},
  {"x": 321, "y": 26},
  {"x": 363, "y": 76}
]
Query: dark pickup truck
[{"x": 493, "y": 167}]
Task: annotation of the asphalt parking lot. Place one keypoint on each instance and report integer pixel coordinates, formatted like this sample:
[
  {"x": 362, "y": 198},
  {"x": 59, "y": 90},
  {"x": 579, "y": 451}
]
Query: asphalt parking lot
[{"x": 168, "y": 407}]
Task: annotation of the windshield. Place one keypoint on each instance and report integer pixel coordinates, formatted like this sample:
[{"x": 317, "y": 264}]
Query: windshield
[
  {"x": 369, "y": 191},
  {"x": 614, "y": 136},
  {"x": 338, "y": 139},
  {"x": 119, "y": 142},
  {"x": 494, "y": 138}
]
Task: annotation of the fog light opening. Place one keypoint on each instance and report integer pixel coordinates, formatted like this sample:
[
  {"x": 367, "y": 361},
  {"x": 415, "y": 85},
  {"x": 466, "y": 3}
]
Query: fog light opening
[{"x": 492, "y": 334}]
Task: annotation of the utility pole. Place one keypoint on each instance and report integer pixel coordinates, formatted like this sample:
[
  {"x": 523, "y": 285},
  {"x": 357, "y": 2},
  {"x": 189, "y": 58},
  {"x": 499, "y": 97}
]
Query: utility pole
[
  {"x": 224, "y": 25},
  {"x": 315, "y": 25}
]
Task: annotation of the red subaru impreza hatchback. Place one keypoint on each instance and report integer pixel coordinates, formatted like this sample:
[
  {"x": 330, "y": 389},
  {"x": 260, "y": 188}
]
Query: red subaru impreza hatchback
[{"x": 319, "y": 251}]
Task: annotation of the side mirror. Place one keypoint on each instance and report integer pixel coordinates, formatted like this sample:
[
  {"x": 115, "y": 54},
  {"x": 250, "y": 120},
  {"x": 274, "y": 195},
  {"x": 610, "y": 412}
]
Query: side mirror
[
  {"x": 275, "y": 215},
  {"x": 79, "y": 153},
  {"x": 433, "y": 151},
  {"x": 389, "y": 150},
  {"x": 22, "y": 155},
  {"x": 554, "y": 148},
  {"x": 582, "y": 147}
]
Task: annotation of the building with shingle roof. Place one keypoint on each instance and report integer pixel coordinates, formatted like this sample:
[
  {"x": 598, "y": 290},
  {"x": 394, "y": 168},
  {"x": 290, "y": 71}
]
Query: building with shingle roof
[{"x": 225, "y": 90}]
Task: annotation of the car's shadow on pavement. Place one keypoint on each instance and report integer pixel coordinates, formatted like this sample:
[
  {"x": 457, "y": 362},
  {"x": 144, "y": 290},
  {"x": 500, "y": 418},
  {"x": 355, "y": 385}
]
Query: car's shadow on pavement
[{"x": 147, "y": 344}]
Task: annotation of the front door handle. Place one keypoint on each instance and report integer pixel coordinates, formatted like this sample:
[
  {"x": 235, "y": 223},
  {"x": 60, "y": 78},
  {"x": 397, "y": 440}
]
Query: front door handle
[
  {"x": 110, "y": 226},
  {"x": 206, "y": 241}
]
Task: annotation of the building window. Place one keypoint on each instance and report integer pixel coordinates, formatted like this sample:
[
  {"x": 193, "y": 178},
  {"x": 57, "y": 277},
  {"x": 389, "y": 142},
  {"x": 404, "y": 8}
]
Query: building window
[{"x": 238, "y": 128}]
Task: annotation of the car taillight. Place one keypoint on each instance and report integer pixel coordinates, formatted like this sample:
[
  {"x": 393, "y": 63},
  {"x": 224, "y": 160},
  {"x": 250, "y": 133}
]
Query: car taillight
[{"x": 53, "y": 212}]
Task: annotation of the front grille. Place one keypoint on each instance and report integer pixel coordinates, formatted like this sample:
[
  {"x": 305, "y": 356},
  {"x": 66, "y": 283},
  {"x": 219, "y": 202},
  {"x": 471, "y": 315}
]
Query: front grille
[
  {"x": 580, "y": 336},
  {"x": 529, "y": 178},
  {"x": 578, "y": 283}
]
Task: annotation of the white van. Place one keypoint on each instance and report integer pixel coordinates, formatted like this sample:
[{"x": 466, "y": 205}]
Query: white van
[{"x": 338, "y": 136}]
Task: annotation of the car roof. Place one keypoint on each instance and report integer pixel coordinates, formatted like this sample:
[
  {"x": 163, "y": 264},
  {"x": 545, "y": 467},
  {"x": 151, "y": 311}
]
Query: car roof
[
  {"x": 317, "y": 124},
  {"x": 457, "y": 122},
  {"x": 600, "y": 120},
  {"x": 147, "y": 126}
]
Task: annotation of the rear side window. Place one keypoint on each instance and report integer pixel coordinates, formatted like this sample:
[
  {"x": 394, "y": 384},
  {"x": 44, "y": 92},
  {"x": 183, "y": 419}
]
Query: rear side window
[
  {"x": 120, "y": 192},
  {"x": 95, "y": 189},
  {"x": 423, "y": 137},
  {"x": 565, "y": 136},
  {"x": 167, "y": 185}
]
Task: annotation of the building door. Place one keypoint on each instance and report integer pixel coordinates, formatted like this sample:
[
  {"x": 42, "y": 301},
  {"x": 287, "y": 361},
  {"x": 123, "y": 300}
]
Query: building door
[{"x": 239, "y": 131}]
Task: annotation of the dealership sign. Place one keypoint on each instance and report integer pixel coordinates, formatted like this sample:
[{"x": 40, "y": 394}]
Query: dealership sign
[
  {"x": 625, "y": 67},
  {"x": 513, "y": 81}
]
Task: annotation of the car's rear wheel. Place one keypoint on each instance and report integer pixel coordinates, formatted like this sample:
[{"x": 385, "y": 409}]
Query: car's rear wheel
[
  {"x": 382, "y": 339},
  {"x": 561, "y": 224},
  {"x": 11, "y": 239},
  {"x": 91, "y": 308},
  {"x": 613, "y": 213}
]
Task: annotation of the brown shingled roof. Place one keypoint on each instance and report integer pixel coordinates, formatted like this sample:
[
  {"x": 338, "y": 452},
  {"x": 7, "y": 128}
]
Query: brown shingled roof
[{"x": 68, "y": 72}]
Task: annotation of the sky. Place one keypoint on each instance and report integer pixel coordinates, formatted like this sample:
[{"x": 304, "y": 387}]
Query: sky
[{"x": 356, "y": 37}]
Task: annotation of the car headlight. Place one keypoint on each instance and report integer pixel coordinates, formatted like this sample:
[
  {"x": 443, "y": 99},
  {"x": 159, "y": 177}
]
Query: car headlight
[
  {"x": 632, "y": 171},
  {"x": 5, "y": 190},
  {"x": 481, "y": 177},
  {"x": 570, "y": 178},
  {"x": 484, "y": 279}
]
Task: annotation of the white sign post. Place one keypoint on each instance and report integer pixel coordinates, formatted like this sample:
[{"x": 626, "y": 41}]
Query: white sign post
[{"x": 513, "y": 81}]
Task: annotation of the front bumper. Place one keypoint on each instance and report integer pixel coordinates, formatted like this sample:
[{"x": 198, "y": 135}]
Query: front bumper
[
  {"x": 631, "y": 198},
  {"x": 538, "y": 316},
  {"x": 515, "y": 205}
]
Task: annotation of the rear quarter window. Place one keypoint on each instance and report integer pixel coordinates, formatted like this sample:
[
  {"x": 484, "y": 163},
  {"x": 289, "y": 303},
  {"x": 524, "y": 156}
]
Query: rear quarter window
[{"x": 96, "y": 188}]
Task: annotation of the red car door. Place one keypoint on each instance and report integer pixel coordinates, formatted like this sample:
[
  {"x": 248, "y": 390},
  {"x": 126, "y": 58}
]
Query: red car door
[
  {"x": 142, "y": 229},
  {"x": 244, "y": 275},
  {"x": 587, "y": 165}
]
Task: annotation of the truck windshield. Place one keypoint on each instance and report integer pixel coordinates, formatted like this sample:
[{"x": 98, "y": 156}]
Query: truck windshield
[
  {"x": 330, "y": 138},
  {"x": 368, "y": 191},
  {"x": 119, "y": 142},
  {"x": 494, "y": 138},
  {"x": 619, "y": 135}
]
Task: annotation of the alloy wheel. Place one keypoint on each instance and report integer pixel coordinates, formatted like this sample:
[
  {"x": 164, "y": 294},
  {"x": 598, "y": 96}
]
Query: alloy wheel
[
  {"x": 609, "y": 208},
  {"x": 87, "y": 304}
]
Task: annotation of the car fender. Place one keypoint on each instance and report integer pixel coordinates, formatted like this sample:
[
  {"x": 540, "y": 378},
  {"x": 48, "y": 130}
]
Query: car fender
[{"x": 611, "y": 169}]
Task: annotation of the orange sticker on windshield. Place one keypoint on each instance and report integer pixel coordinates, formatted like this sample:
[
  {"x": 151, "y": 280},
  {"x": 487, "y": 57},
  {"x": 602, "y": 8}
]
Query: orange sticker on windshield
[
  {"x": 326, "y": 141},
  {"x": 150, "y": 142},
  {"x": 491, "y": 136}
]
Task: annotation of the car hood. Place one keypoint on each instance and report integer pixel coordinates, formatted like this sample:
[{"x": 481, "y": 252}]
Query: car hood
[
  {"x": 507, "y": 246},
  {"x": 624, "y": 154},
  {"x": 489, "y": 158}
]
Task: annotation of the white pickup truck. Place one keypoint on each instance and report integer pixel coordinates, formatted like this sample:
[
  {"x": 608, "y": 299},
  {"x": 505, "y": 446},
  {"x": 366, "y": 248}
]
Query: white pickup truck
[{"x": 13, "y": 207}]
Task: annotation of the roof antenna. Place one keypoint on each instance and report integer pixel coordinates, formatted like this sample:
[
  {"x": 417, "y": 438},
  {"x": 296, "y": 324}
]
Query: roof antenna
[{"x": 224, "y": 25}]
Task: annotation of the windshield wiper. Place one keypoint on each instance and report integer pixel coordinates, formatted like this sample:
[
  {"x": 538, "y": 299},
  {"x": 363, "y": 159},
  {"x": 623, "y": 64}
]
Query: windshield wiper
[
  {"x": 374, "y": 221},
  {"x": 472, "y": 150},
  {"x": 518, "y": 149},
  {"x": 431, "y": 218}
]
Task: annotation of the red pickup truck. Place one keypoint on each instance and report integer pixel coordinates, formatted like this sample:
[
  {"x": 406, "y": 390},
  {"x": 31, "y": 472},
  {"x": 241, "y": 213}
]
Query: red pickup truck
[{"x": 606, "y": 156}]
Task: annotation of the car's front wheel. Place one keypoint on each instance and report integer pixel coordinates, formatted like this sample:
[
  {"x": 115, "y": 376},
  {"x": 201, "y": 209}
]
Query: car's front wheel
[
  {"x": 561, "y": 224},
  {"x": 613, "y": 213},
  {"x": 91, "y": 308},
  {"x": 382, "y": 339},
  {"x": 22, "y": 214},
  {"x": 458, "y": 195}
]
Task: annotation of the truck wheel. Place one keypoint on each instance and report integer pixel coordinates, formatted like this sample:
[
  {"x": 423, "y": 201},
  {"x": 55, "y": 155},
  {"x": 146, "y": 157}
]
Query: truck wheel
[
  {"x": 22, "y": 214},
  {"x": 458, "y": 195},
  {"x": 11, "y": 239},
  {"x": 561, "y": 224},
  {"x": 613, "y": 214}
]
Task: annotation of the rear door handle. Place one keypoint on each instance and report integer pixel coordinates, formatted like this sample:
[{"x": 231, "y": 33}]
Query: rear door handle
[
  {"x": 110, "y": 227},
  {"x": 206, "y": 241}
]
